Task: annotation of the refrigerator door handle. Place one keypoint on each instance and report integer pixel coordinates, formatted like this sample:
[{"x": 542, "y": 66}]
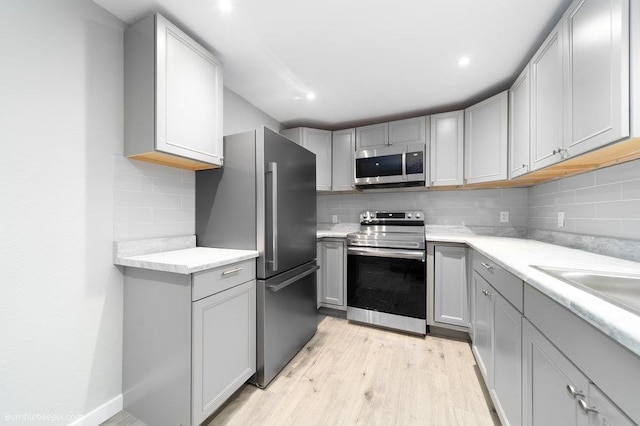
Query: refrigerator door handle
[
  {"x": 272, "y": 168},
  {"x": 277, "y": 287}
]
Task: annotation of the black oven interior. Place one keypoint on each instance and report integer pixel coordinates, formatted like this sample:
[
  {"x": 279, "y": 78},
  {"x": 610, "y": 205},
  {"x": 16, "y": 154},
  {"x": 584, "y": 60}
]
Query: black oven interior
[{"x": 386, "y": 284}]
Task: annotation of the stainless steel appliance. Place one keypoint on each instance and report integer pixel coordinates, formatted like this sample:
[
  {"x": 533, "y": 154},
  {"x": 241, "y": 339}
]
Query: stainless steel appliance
[
  {"x": 386, "y": 271},
  {"x": 396, "y": 165},
  {"x": 264, "y": 198}
]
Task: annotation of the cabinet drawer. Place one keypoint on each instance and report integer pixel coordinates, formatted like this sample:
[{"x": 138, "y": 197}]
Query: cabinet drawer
[
  {"x": 212, "y": 281},
  {"x": 587, "y": 348},
  {"x": 506, "y": 283}
]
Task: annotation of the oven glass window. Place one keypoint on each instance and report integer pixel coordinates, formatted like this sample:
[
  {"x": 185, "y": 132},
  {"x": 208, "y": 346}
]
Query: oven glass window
[
  {"x": 394, "y": 286},
  {"x": 386, "y": 165}
]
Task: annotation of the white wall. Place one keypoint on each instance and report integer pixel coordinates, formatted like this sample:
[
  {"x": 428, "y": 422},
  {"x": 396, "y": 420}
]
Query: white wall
[
  {"x": 61, "y": 110},
  {"x": 240, "y": 115}
]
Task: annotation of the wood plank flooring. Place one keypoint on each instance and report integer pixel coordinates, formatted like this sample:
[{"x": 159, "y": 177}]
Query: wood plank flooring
[{"x": 350, "y": 374}]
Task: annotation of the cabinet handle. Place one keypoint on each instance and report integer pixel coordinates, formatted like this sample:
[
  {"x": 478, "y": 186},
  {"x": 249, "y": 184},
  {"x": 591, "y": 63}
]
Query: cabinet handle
[
  {"x": 232, "y": 271},
  {"x": 486, "y": 293},
  {"x": 524, "y": 166},
  {"x": 574, "y": 392},
  {"x": 489, "y": 267},
  {"x": 585, "y": 407}
]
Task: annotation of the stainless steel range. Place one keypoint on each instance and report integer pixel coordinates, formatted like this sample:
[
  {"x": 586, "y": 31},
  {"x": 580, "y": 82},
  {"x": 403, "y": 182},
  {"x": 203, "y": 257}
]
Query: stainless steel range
[{"x": 386, "y": 271}]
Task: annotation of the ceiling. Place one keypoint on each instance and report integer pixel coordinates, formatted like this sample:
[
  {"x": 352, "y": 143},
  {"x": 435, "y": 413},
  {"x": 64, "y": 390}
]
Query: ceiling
[{"x": 366, "y": 60}]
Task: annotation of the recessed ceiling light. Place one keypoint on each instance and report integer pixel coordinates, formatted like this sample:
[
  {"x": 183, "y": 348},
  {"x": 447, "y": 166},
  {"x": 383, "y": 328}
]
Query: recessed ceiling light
[
  {"x": 311, "y": 96},
  {"x": 225, "y": 5},
  {"x": 464, "y": 61}
]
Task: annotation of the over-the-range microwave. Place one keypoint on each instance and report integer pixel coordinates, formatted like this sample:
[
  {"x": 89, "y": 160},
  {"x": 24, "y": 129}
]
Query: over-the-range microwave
[{"x": 394, "y": 165}]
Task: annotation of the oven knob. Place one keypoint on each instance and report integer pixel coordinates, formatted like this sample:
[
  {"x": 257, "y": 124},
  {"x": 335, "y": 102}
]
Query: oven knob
[
  {"x": 409, "y": 215},
  {"x": 417, "y": 215}
]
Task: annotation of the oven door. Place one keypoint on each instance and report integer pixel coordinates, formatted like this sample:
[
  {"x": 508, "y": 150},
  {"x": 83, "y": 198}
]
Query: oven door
[{"x": 387, "y": 281}]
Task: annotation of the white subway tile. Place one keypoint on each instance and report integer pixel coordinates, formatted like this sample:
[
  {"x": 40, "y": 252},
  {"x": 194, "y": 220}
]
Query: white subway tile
[
  {"x": 600, "y": 227},
  {"x": 189, "y": 176},
  {"x": 610, "y": 192},
  {"x": 627, "y": 209},
  {"x": 168, "y": 186},
  {"x": 630, "y": 229},
  {"x": 146, "y": 199},
  {"x": 188, "y": 202},
  {"x": 618, "y": 173},
  {"x": 132, "y": 215},
  {"x": 583, "y": 180},
  {"x": 131, "y": 182},
  {"x": 174, "y": 215},
  {"x": 631, "y": 190}
]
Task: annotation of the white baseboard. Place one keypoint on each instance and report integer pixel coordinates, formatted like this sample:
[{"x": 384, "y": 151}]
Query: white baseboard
[{"x": 100, "y": 414}]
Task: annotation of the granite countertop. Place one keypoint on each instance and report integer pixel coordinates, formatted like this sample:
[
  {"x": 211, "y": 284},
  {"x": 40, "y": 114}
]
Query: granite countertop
[
  {"x": 517, "y": 255},
  {"x": 175, "y": 254},
  {"x": 336, "y": 230}
]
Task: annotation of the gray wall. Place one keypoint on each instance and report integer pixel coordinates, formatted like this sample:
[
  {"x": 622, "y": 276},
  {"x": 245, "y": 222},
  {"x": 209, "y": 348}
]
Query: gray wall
[
  {"x": 479, "y": 207},
  {"x": 605, "y": 202},
  {"x": 61, "y": 110}
]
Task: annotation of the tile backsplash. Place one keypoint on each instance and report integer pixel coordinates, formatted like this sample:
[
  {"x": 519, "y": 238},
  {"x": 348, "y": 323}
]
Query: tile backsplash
[
  {"x": 479, "y": 207},
  {"x": 604, "y": 202},
  {"x": 151, "y": 200}
]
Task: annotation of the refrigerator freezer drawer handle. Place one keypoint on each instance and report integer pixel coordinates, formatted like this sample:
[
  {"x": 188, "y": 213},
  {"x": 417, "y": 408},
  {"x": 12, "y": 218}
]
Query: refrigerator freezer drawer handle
[
  {"x": 272, "y": 168},
  {"x": 278, "y": 287}
]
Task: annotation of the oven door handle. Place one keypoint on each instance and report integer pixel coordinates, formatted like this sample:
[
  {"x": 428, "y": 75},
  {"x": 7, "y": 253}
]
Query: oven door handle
[{"x": 385, "y": 252}]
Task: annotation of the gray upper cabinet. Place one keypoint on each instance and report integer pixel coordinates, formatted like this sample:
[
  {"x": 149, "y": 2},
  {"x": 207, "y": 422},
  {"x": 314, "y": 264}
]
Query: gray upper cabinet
[
  {"x": 409, "y": 131},
  {"x": 597, "y": 74},
  {"x": 486, "y": 139},
  {"x": 546, "y": 101},
  {"x": 319, "y": 142},
  {"x": 519, "y": 124},
  {"x": 451, "y": 304},
  {"x": 447, "y": 149},
  {"x": 344, "y": 146},
  {"x": 372, "y": 136},
  {"x": 173, "y": 97}
]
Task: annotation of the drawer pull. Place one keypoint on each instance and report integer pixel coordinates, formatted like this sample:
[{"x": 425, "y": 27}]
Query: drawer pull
[
  {"x": 487, "y": 266},
  {"x": 232, "y": 271},
  {"x": 573, "y": 391},
  {"x": 585, "y": 407}
]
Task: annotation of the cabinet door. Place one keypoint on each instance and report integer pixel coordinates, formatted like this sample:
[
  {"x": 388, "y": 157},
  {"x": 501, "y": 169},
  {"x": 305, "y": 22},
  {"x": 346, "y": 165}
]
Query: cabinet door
[
  {"x": 407, "y": 131},
  {"x": 319, "y": 274},
  {"x": 333, "y": 274},
  {"x": 344, "y": 146},
  {"x": 188, "y": 96},
  {"x": 450, "y": 286},
  {"x": 486, "y": 139},
  {"x": 224, "y": 347},
  {"x": 551, "y": 384},
  {"x": 507, "y": 360},
  {"x": 447, "y": 148},
  {"x": 606, "y": 413},
  {"x": 482, "y": 327},
  {"x": 319, "y": 142},
  {"x": 372, "y": 136},
  {"x": 519, "y": 125},
  {"x": 597, "y": 74},
  {"x": 547, "y": 101}
]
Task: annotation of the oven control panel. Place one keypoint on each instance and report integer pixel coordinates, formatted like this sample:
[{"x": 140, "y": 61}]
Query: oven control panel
[{"x": 392, "y": 217}]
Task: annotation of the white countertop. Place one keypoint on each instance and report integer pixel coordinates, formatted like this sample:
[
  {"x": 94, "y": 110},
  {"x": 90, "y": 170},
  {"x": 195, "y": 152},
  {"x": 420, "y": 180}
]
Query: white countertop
[
  {"x": 336, "y": 230},
  {"x": 517, "y": 255},
  {"x": 178, "y": 255}
]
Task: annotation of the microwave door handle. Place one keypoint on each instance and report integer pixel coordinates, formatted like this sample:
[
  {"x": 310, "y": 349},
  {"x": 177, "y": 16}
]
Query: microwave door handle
[
  {"x": 404, "y": 165},
  {"x": 272, "y": 168}
]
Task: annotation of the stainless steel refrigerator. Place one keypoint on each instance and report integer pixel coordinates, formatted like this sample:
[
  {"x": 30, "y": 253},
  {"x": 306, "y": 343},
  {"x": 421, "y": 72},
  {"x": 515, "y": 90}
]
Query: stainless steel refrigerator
[{"x": 264, "y": 198}]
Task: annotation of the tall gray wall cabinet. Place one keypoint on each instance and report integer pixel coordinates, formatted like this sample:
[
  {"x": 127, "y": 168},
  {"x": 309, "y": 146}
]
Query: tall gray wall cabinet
[
  {"x": 173, "y": 97},
  {"x": 189, "y": 341}
]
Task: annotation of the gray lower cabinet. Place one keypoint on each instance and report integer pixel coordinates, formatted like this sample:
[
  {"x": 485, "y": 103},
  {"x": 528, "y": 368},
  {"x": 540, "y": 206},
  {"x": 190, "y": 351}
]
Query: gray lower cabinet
[
  {"x": 497, "y": 340},
  {"x": 332, "y": 276},
  {"x": 552, "y": 385},
  {"x": 482, "y": 320},
  {"x": 189, "y": 341},
  {"x": 556, "y": 392},
  {"x": 451, "y": 304}
]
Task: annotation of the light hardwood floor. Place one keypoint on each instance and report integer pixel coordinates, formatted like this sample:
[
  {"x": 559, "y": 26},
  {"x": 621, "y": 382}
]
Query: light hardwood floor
[{"x": 350, "y": 374}]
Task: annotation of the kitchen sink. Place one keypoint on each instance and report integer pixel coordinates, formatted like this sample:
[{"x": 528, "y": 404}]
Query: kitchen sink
[{"x": 620, "y": 289}]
